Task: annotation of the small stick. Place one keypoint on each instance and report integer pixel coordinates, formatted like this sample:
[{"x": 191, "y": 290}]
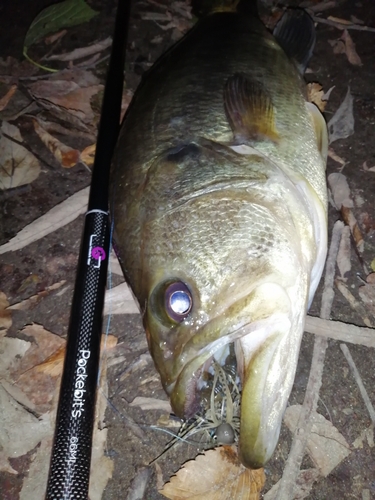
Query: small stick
[
  {"x": 340, "y": 331},
  {"x": 342, "y": 26},
  {"x": 359, "y": 382}
]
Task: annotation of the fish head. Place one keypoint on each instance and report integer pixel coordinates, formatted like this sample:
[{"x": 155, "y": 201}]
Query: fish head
[{"x": 214, "y": 266}]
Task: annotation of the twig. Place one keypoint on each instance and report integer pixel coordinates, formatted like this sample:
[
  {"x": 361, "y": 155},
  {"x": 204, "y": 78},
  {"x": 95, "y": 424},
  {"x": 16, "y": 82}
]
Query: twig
[
  {"x": 342, "y": 26},
  {"x": 302, "y": 432},
  {"x": 359, "y": 382},
  {"x": 319, "y": 7},
  {"x": 340, "y": 331}
]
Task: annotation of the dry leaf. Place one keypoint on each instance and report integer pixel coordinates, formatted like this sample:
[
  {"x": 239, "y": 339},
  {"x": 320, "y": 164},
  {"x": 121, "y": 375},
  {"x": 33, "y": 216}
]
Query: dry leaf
[
  {"x": 304, "y": 483},
  {"x": 151, "y": 404},
  {"x": 119, "y": 300},
  {"x": 367, "y": 295},
  {"x": 315, "y": 94},
  {"x": 366, "y": 435},
  {"x": 354, "y": 303},
  {"x": 215, "y": 475},
  {"x": 20, "y": 430},
  {"x": 57, "y": 217},
  {"x": 336, "y": 157},
  {"x": 340, "y": 190},
  {"x": 5, "y": 316},
  {"x": 17, "y": 165},
  {"x": 32, "y": 301},
  {"x": 325, "y": 445},
  {"x": 5, "y": 99},
  {"x": 341, "y": 125},
  {"x": 66, "y": 156},
  {"x": 68, "y": 95},
  {"x": 366, "y": 168},
  {"x": 351, "y": 221},
  {"x": 35, "y": 483},
  {"x": 49, "y": 40},
  {"x": 350, "y": 50},
  {"x": 88, "y": 155}
]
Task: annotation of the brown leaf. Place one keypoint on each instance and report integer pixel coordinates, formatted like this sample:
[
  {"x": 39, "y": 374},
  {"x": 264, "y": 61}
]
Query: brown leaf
[
  {"x": 350, "y": 50},
  {"x": 68, "y": 157},
  {"x": 315, "y": 94},
  {"x": 325, "y": 445},
  {"x": 88, "y": 154},
  {"x": 5, "y": 99},
  {"x": 68, "y": 95},
  {"x": 18, "y": 165},
  {"x": 5, "y": 316},
  {"x": 215, "y": 475},
  {"x": 32, "y": 301}
]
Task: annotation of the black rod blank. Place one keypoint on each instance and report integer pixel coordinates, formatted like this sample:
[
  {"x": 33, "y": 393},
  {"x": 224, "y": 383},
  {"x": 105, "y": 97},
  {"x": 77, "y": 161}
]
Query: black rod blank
[{"x": 71, "y": 453}]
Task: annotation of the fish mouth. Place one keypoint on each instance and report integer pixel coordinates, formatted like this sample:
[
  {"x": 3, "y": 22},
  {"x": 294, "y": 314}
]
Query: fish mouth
[{"x": 266, "y": 352}]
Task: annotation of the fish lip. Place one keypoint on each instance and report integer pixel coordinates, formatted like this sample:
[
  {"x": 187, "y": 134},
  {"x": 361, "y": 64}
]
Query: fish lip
[{"x": 187, "y": 380}]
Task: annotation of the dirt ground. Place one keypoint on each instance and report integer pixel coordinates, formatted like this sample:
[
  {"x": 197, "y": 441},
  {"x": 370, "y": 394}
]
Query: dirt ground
[{"x": 32, "y": 269}]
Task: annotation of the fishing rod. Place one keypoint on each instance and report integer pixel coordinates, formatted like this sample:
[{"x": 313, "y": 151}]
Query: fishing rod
[{"x": 71, "y": 452}]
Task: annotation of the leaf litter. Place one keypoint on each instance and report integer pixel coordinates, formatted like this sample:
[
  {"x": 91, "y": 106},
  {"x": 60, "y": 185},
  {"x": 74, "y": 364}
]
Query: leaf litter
[{"x": 344, "y": 124}]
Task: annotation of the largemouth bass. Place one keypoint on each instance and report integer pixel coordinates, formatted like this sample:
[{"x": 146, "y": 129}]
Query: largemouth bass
[{"x": 220, "y": 212}]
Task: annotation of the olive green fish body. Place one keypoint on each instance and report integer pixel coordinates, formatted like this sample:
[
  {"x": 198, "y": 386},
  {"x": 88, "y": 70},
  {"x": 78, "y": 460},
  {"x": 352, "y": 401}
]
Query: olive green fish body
[{"x": 232, "y": 205}]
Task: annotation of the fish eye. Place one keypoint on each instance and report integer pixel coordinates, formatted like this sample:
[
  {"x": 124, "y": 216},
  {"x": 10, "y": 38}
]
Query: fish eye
[{"x": 178, "y": 301}]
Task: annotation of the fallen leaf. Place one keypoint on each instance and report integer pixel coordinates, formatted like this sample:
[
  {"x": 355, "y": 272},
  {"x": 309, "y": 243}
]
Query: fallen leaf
[
  {"x": 350, "y": 49},
  {"x": 340, "y": 190},
  {"x": 5, "y": 315},
  {"x": 366, "y": 168},
  {"x": 66, "y": 156},
  {"x": 354, "y": 303},
  {"x": 367, "y": 295},
  {"x": 66, "y": 94},
  {"x": 32, "y": 301},
  {"x": 325, "y": 445},
  {"x": 120, "y": 300},
  {"x": 366, "y": 435},
  {"x": 57, "y": 217},
  {"x": 88, "y": 155},
  {"x": 18, "y": 166},
  {"x": 7, "y": 97},
  {"x": 11, "y": 350},
  {"x": 20, "y": 430},
  {"x": 341, "y": 125},
  {"x": 316, "y": 94},
  {"x": 151, "y": 404},
  {"x": 215, "y": 475},
  {"x": 35, "y": 483},
  {"x": 303, "y": 486},
  {"x": 351, "y": 221},
  {"x": 336, "y": 157},
  {"x": 49, "y": 40}
]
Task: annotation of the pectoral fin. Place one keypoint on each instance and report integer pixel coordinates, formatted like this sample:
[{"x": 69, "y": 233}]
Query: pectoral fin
[{"x": 249, "y": 110}]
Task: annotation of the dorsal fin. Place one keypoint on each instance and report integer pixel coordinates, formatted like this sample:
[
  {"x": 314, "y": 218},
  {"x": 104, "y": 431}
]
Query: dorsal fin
[
  {"x": 295, "y": 33},
  {"x": 249, "y": 110}
]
